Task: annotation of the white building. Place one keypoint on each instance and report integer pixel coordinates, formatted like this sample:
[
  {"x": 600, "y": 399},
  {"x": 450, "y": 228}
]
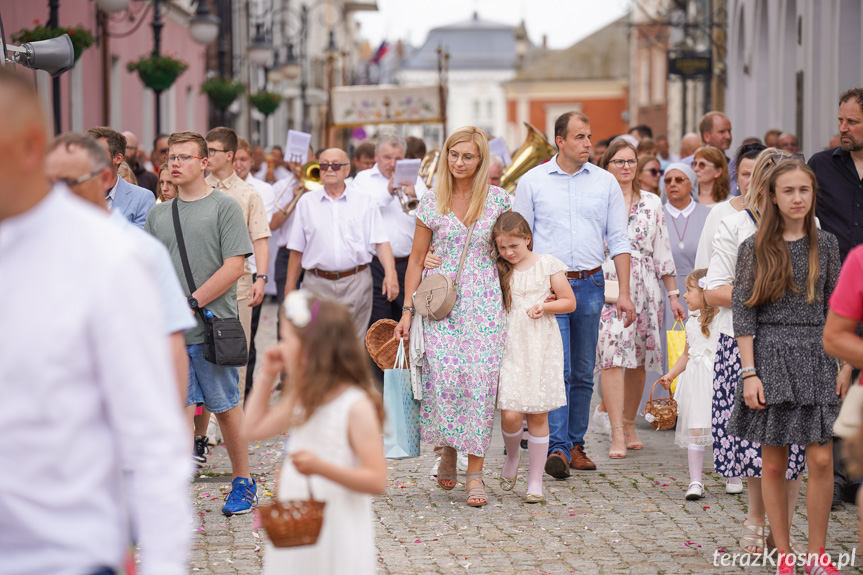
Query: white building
[
  {"x": 788, "y": 62},
  {"x": 483, "y": 56}
]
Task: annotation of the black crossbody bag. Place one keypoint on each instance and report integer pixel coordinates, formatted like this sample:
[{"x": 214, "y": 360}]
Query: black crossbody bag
[{"x": 224, "y": 339}]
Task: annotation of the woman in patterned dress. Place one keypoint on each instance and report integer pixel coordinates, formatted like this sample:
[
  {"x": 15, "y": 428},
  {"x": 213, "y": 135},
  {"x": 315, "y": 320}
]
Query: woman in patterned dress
[
  {"x": 637, "y": 347},
  {"x": 463, "y": 350}
]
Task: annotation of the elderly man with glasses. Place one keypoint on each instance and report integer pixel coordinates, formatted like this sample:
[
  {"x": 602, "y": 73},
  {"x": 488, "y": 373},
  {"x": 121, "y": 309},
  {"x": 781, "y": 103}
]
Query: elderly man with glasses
[{"x": 335, "y": 234}]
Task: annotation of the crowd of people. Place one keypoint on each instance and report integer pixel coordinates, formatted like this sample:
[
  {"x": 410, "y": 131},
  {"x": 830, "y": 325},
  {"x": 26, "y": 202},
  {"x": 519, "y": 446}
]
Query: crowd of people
[{"x": 572, "y": 281}]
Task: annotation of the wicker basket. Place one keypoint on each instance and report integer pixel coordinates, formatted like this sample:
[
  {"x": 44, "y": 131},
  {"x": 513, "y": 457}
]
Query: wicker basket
[
  {"x": 293, "y": 523},
  {"x": 382, "y": 345},
  {"x": 663, "y": 410}
]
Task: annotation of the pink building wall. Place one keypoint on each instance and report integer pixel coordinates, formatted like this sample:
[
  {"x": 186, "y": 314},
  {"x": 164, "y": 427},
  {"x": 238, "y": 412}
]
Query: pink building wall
[{"x": 183, "y": 107}]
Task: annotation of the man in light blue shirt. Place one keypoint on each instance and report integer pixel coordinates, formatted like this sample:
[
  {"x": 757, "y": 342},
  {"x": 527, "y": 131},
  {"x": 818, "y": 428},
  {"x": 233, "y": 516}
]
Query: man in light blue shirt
[{"x": 571, "y": 206}]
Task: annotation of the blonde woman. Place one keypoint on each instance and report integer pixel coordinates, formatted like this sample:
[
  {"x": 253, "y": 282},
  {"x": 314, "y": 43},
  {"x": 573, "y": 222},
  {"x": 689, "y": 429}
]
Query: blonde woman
[
  {"x": 463, "y": 350},
  {"x": 167, "y": 189}
]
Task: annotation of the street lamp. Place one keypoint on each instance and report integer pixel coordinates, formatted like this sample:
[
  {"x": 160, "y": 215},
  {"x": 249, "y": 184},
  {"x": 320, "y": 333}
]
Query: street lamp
[
  {"x": 112, "y": 6},
  {"x": 260, "y": 51},
  {"x": 292, "y": 67},
  {"x": 203, "y": 26}
]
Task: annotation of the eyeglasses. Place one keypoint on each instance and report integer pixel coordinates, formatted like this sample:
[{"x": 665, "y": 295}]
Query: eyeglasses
[
  {"x": 214, "y": 151},
  {"x": 620, "y": 163},
  {"x": 182, "y": 158},
  {"x": 777, "y": 158},
  {"x": 701, "y": 164},
  {"x": 677, "y": 180},
  {"x": 72, "y": 182},
  {"x": 334, "y": 167},
  {"x": 466, "y": 158},
  {"x": 654, "y": 172}
]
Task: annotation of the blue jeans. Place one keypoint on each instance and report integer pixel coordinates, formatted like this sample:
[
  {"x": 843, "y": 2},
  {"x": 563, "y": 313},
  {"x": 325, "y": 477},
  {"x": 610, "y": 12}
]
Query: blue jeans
[{"x": 580, "y": 332}]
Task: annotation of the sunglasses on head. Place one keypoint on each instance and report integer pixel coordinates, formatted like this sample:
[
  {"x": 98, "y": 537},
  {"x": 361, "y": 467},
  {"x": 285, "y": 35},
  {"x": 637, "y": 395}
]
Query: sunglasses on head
[{"x": 777, "y": 158}]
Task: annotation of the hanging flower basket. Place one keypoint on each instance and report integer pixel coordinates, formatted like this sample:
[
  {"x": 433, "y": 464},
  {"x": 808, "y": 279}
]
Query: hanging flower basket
[
  {"x": 158, "y": 72},
  {"x": 222, "y": 91},
  {"x": 265, "y": 102},
  {"x": 80, "y": 36}
]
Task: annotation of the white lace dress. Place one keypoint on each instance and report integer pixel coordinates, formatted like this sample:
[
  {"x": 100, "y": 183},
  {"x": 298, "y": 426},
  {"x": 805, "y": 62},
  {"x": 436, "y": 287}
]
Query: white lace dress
[
  {"x": 347, "y": 540},
  {"x": 531, "y": 371},
  {"x": 694, "y": 393}
]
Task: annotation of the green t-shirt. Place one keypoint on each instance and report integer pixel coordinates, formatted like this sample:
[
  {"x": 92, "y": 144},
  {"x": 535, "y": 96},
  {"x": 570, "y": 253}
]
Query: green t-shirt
[{"x": 213, "y": 230}]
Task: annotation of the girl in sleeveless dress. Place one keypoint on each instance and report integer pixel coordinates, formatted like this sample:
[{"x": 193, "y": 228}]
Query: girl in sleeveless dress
[
  {"x": 694, "y": 392},
  {"x": 334, "y": 416},
  {"x": 789, "y": 392},
  {"x": 531, "y": 369}
]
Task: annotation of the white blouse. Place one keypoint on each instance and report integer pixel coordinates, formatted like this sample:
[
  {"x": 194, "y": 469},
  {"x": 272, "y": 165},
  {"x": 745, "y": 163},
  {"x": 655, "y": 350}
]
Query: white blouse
[
  {"x": 731, "y": 232},
  {"x": 705, "y": 243}
]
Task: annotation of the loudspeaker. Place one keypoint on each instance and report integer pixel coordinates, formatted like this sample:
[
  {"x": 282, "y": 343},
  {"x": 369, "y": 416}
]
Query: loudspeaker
[{"x": 54, "y": 56}]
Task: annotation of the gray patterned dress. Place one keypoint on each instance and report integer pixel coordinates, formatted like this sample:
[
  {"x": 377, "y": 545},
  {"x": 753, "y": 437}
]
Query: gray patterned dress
[{"x": 799, "y": 379}]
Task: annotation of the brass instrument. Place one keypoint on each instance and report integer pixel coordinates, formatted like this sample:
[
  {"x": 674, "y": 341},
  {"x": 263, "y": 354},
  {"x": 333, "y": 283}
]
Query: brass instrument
[
  {"x": 310, "y": 177},
  {"x": 534, "y": 151},
  {"x": 428, "y": 167},
  {"x": 409, "y": 204}
]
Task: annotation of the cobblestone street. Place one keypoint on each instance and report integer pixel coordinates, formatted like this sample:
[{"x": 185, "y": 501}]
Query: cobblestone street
[{"x": 629, "y": 516}]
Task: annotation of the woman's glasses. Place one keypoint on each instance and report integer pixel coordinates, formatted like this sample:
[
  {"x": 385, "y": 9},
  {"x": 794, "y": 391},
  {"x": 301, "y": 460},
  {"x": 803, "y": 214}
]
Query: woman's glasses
[
  {"x": 701, "y": 164},
  {"x": 653, "y": 172},
  {"x": 466, "y": 158},
  {"x": 620, "y": 163},
  {"x": 676, "y": 180}
]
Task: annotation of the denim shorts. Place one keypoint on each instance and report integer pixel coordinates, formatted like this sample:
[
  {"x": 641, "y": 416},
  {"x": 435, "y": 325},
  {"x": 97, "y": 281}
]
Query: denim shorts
[{"x": 216, "y": 386}]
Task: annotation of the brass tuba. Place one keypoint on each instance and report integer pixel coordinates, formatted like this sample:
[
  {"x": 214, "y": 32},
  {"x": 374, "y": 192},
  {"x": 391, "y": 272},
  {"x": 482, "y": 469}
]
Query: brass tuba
[
  {"x": 534, "y": 151},
  {"x": 428, "y": 167}
]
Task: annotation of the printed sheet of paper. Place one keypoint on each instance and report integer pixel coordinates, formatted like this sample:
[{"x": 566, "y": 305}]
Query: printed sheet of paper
[
  {"x": 498, "y": 147},
  {"x": 297, "y": 147},
  {"x": 406, "y": 171}
]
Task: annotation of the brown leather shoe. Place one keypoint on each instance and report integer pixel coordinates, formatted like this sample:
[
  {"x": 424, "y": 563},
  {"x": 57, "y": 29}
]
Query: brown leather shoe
[
  {"x": 557, "y": 466},
  {"x": 580, "y": 460}
]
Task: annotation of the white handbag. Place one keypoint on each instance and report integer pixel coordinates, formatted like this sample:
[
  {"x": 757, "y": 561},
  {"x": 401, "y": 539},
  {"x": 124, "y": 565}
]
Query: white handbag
[
  {"x": 850, "y": 418},
  {"x": 612, "y": 287}
]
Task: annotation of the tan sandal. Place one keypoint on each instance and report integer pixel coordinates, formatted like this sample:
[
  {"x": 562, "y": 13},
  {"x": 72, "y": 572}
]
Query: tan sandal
[
  {"x": 446, "y": 473},
  {"x": 753, "y": 536},
  {"x": 476, "y": 495},
  {"x": 612, "y": 454},
  {"x": 796, "y": 547},
  {"x": 635, "y": 446}
]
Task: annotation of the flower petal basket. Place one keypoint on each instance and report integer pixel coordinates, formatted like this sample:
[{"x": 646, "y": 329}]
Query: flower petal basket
[
  {"x": 80, "y": 36},
  {"x": 158, "y": 72},
  {"x": 265, "y": 102},
  {"x": 222, "y": 91}
]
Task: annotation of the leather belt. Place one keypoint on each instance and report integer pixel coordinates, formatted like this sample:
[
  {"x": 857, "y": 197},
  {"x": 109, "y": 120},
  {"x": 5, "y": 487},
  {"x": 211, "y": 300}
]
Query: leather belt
[
  {"x": 337, "y": 275},
  {"x": 398, "y": 260},
  {"x": 582, "y": 274}
]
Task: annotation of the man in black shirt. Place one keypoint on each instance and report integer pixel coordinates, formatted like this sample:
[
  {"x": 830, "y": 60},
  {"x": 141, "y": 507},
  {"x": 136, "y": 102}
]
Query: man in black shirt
[{"x": 839, "y": 170}]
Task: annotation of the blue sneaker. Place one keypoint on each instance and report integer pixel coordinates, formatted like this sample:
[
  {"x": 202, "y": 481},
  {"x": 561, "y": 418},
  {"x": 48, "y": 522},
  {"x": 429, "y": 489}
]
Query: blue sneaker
[{"x": 242, "y": 498}]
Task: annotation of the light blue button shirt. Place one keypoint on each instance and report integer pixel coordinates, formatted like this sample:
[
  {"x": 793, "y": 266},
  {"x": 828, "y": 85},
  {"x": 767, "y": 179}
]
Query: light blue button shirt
[{"x": 570, "y": 215}]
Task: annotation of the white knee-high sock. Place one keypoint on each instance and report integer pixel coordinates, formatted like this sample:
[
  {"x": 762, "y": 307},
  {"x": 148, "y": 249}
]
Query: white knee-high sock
[
  {"x": 537, "y": 451},
  {"x": 511, "y": 441},
  {"x": 696, "y": 462}
]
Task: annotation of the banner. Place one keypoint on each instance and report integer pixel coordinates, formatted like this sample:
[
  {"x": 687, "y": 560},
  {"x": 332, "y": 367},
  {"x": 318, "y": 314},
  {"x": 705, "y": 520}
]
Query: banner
[{"x": 359, "y": 105}]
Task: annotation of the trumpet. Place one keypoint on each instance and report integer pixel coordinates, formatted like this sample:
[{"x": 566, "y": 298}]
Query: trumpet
[
  {"x": 310, "y": 178},
  {"x": 409, "y": 204}
]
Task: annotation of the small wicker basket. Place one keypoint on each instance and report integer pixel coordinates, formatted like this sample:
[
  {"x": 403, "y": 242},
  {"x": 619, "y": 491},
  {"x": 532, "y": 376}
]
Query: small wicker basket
[
  {"x": 293, "y": 523},
  {"x": 382, "y": 345},
  {"x": 663, "y": 410}
]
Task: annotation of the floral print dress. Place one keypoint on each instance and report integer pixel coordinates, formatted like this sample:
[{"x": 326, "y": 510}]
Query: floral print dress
[
  {"x": 464, "y": 349},
  {"x": 650, "y": 259}
]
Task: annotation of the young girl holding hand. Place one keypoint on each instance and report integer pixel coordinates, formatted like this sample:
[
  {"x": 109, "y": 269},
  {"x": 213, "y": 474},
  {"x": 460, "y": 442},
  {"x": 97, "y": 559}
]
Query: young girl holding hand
[
  {"x": 785, "y": 275},
  {"x": 335, "y": 416},
  {"x": 694, "y": 391},
  {"x": 531, "y": 369}
]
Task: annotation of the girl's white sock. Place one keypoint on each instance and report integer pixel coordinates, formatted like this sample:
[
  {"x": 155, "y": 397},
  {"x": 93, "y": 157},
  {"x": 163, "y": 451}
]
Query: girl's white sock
[
  {"x": 537, "y": 451},
  {"x": 696, "y": 462},
  {"x": 512, "y": 442}
]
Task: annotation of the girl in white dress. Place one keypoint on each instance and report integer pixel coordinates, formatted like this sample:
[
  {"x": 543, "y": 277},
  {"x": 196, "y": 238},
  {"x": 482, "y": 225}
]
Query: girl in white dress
[
  {"x": 334, "y": 416},
  {"x": 531, "y": 370},
  {"x": 694, "y": 394}
]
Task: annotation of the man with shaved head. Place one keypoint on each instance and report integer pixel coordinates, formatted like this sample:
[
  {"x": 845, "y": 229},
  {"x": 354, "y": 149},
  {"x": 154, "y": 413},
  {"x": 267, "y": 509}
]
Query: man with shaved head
[
  {"x": 84, "y": 332},
  {"x": 146, "y": 178},
  {"x": 690, "y": 142},
  {"x": 335, "y": 233}
]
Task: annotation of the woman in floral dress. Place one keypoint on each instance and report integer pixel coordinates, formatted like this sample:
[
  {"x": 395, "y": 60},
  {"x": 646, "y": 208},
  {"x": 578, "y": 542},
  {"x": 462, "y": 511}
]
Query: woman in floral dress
[
  {"x": 463, "y": 350},
  {"x": 637, "y": 347}
]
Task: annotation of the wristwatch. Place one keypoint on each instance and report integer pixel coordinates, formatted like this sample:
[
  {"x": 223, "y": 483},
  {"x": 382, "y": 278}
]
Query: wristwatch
[
  {"x": 193, "y": 303},
  {"x": 410, "y": 309},
  {"x": 263, "y": 277}
]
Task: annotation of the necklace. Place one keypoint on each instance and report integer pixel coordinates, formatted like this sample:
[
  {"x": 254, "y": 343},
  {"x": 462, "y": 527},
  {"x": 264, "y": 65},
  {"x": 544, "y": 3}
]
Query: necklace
[{"x": 680, "y": 237}]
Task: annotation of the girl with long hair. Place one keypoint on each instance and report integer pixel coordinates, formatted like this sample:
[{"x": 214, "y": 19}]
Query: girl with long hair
[
  {"x": 785, "y": 275},
  {"x": 530, "y": 383},
  {"x": 334, "y": 415}
]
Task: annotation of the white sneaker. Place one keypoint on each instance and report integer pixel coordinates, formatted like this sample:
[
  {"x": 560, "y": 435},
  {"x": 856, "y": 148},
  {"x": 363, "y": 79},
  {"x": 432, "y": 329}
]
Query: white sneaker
[
  {"x": 696, "y": 491},
  {"x": 214, "y": 433},
  {"x": 734, "y": 488},
  {"x": 600, "y": 418},
  {"x": 461, "y": 463}
]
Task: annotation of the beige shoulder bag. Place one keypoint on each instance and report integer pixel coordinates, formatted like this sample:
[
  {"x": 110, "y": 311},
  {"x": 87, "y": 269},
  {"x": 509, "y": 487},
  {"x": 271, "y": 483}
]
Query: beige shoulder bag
[{"x": 435, "y": 296}]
